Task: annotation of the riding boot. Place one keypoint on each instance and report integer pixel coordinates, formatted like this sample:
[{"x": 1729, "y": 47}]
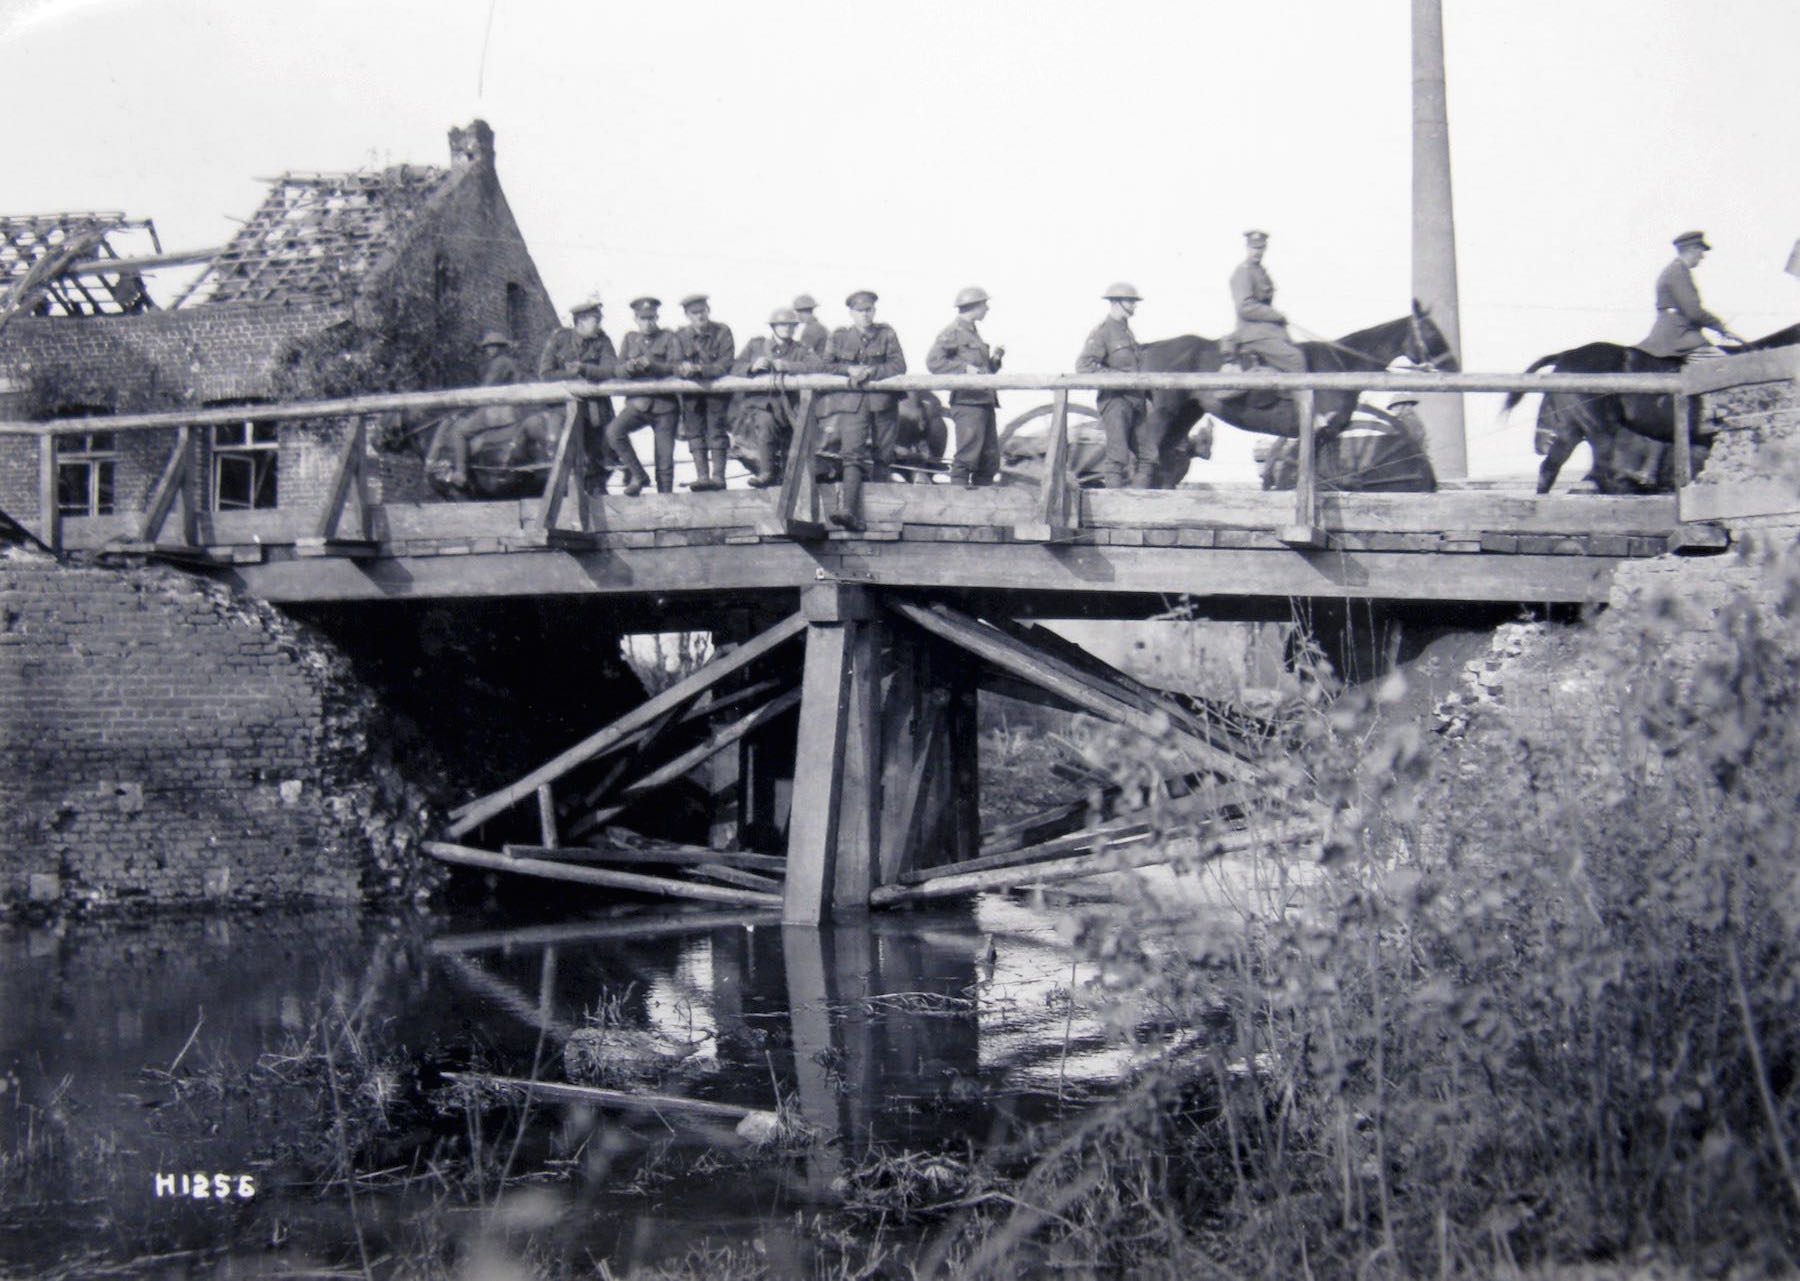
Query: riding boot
[
  {"x": 665, "y": 479},
  {"x": 635, "y": 477},
  {"x": 849, "y": 504},
  {"x": 703, "y": 468},
  {"x": 719, "y": 460}
]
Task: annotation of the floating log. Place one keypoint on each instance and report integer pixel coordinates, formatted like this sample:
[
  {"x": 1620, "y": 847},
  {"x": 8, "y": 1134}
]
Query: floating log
[
  {"x": 1074, "y": 869},
  {"x": 467, "y": 857},
  {"x": 657, "y": 1103}
]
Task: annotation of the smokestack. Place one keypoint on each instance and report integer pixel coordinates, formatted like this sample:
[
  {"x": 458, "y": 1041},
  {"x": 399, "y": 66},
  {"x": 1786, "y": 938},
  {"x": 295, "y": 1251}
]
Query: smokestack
[{"x": 1434, "y": 230}]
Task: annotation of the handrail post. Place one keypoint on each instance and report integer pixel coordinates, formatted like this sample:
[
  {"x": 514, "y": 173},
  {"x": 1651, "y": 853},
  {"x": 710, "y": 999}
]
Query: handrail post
[
  {"x": 797, "y": 501},
  {"x": 347, "y": 477},
  {"x": 567, "y": 472},
  {"x": 1684, "y": 406},
  {"x": 49, "y": 508},
  {"x": 1305, "y": 531},
  {"x": 1059, "y": 505},
  {"x": 176, "y": 478}
]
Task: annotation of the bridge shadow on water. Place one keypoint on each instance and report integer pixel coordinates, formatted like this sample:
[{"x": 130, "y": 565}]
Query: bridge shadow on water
[{"x": 133, "y": 1051}]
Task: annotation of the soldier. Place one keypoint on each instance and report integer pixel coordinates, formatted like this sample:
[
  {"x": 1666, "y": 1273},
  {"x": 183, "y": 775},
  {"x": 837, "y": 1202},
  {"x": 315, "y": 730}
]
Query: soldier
[
  {"x": 765, "y": 419},
  {"x": 1113, "y": 348},
  {"x": 584, "y": 351},
  {"x": 706, "y": 348},
  {"x": 813, "y": 335},
  {"x": 647, "y": 352},
  {"x": 1261, "y": 332},
  {"x": 1680, "y": 319},
  {"x": 961, "y": 350},
  {"x": 864, "y": 351},
  {"x": 498, "y": 369}
]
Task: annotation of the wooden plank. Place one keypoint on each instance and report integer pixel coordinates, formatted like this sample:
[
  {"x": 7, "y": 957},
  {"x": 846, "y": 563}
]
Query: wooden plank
[
  {"x": 1239, "y": 507},
  {"x": 1058, "y": 509},
  {"x": 1173, "y": 847},
  {"x": 716, "y": 742},
  {"x": 604, "y": 877},
  {"x": 635, "y": 927},
  {"x": 728, "y": 875},
  {"x": 49, "y": 525},
  {"x": 1740, "y": 500},
  {"x": 1079, "y": 688},
  {"x": 1779, "y": 364},
  {"x": 546, "y": 815},
  {"x": 1089, "y": 839},
  {"x": 1686, "y": 414},
  {"x": 470, "y": 816},
  {"x": 176, "y": 478},
  {"x": 818, "y": 774},
  {"x": 658, "y": 854},
  {"x": 630, "y": 1101},
  {"x": 1306, "y": 493},
  {"x": 1697, "y": 537},
  {"x": 858, "y": 800}
]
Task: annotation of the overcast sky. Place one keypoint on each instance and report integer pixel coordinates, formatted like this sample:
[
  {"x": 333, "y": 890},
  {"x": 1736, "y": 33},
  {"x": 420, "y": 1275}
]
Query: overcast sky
[{"x": 1039, "y": 149}]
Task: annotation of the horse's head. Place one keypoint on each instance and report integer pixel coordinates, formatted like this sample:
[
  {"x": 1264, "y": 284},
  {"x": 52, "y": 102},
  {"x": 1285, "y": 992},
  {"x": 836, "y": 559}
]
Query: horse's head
[{"x": 1426, "y": 345}]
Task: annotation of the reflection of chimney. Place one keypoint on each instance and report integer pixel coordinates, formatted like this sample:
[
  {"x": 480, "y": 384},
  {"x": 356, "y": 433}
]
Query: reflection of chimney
[{"x": 472, "y": 146}]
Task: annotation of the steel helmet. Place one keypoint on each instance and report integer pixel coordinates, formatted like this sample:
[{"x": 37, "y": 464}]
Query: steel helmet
[
  {"x": 784, "y": 316},
  {"x": 1120, "y": 289},
  {"x": 494, "y": 338},
  {"x": 805, "y": 302},
  {"x": 970, "y": 296}
]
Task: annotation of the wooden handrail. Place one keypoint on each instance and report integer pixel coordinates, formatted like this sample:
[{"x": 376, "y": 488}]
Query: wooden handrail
[{"x": 550, "y": 393}]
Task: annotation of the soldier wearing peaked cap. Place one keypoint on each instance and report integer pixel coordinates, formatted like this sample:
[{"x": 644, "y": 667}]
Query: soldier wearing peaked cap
[
  {"x": 960, "y": 349},
  {"x": 864, "y": 350},
  {"x": 583, "y": 351},
  {"x": 1680, "y": 319},
  {"x": 648, "y": 352},
  {"x": 1111, "y": 347},
  {"x": 765, "y": 419},
  {"x": 1261, "y": 333},
  {"x": 706, "y": 347},
  {"x": 812, "y": 333}
]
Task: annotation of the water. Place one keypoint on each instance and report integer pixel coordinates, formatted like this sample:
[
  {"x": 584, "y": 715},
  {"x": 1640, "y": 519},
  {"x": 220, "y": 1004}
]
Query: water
[{"x": 130, "y": 1052}]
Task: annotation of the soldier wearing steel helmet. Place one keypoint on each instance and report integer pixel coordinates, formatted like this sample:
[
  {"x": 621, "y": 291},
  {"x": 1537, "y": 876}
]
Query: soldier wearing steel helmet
[
  {"x": 1111, "y": 347},
  {"x": 648, "y": 352},
  {"x": 583, "y": 351},
  {"x": 706, "y": 348},
  {"x": 813, "y": 335},
  {"x": 865, "y": 423},
  {"x": 498, "y": 369},
  {"x": 960, "y": 349},
  {"x": 765, "y": 420}
]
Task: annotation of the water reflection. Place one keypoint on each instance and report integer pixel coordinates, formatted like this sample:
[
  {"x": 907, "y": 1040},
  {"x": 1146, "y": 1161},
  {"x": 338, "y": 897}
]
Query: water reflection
[{"x": 897, "y": 1031}]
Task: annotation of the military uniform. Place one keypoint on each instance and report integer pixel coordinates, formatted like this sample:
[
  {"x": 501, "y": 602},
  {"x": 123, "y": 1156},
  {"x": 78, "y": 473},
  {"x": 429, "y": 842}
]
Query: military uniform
[
  {"x": 1679, "y": 315},
  {"x": 863, "y": 419},
  {"x": 957, "y": 348},
  {"x": 814, "y": 336},
  {"x": 568, "y": 356},
  {"x": 498, "y": 369},
  {"x": 1130, "y": 453},
  {"x": 661, "y": 352},
  {"x": 1261, "y": 329},
  {"x": 704, "y": 418},
  {"x": 765, "y": 419}
]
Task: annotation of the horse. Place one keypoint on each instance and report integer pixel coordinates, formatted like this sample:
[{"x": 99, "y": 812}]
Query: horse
[
  {"x": 1172, "y": 413},
  {"x": 1624, "y": 432},
  {"x": 510, "y": 451}
]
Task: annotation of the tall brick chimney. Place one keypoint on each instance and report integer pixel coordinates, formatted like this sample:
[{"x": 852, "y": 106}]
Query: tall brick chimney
[{"x": 472, "y": 146}]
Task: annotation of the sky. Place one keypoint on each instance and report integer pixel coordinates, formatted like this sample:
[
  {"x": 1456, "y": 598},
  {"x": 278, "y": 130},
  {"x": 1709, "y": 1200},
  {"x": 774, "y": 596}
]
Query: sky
[{"x": 1039, "y": 149}]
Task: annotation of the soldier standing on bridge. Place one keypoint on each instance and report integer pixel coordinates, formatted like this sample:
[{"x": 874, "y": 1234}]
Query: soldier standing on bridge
[
  {"x": 647, "y": 352},
  {"x": 1113, "y": 348},
  {"x": 1261, "y": 332},
  {"x": 1680, "y": 319},
  {"x": 959, "y": 349},
  {"x": 813, "y": 335},
  {"x": 584, "y": 351},
  {"x": 864, "y": 351},
  {"x": 765, "y": 419},
  {"x": 706, "y": 351}
]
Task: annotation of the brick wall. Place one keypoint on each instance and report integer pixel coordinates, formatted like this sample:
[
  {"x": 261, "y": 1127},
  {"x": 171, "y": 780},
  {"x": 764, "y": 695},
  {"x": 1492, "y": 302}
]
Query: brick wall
[{"x": 164, "y": 741}]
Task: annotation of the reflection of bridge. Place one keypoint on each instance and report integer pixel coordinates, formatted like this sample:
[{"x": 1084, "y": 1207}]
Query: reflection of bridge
[{"x": 889, "y": 633}]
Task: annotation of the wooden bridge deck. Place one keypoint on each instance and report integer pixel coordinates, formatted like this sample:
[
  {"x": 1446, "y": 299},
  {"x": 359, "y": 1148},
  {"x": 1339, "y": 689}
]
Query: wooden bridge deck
[{"x": 1209, "y": 542}]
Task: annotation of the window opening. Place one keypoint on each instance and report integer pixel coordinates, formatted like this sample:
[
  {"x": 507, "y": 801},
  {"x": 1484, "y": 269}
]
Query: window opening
[{"x": 244, "y": 466}]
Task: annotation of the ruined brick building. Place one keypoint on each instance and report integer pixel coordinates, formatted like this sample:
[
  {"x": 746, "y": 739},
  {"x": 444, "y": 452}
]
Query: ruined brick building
[
  {"x": 162, "y": 741},
  {"x": 339, "y": 282}
]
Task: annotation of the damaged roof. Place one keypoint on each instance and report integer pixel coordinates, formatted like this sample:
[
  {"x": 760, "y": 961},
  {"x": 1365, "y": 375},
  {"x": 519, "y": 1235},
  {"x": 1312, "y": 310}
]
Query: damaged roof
[
  {"x": 317, "y": 236},
  {"x": 37, "y": 252}
]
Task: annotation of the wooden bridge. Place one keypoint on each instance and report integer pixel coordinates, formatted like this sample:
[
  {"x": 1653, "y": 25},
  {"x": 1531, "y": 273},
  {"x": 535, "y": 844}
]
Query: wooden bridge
[{"x": 859, "y": 704}]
